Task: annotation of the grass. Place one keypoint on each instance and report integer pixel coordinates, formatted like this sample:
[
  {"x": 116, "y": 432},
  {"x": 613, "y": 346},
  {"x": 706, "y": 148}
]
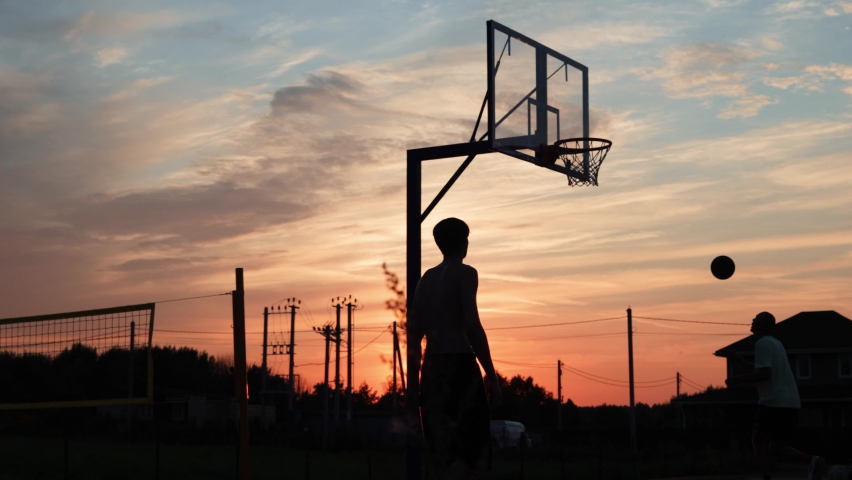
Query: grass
[{"x": 31, "y": 458}]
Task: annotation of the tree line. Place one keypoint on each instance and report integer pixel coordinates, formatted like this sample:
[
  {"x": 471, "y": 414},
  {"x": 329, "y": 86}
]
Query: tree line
[{"x": 81, "y": 373}]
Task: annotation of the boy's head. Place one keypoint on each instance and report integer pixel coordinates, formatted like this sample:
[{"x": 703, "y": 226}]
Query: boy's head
[
  {"x": 451, "y": 235},
  {"x": 763, "y": 323}
]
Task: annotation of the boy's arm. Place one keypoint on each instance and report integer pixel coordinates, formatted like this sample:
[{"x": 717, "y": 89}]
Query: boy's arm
[
  {"x": 762, "y": 370},
  {"x": 473, "y": 326}
]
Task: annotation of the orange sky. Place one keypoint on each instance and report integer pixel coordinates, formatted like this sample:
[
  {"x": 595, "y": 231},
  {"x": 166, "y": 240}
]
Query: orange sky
[{"x": 147, "y": 152}]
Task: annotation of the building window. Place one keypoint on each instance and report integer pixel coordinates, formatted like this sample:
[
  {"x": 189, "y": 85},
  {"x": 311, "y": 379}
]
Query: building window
[
  {"x": 803, "y": 366},
  {"x": 844, "y": 365}
]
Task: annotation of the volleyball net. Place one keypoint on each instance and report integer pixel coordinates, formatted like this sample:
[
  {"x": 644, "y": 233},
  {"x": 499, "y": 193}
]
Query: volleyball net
[{"x": 77, "y": 359}]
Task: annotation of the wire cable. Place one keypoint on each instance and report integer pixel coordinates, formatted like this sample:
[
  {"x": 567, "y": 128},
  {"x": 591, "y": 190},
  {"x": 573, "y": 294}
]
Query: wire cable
[
  {"x": 691, "y": 321},
  {"x": 371, "y": 341},
  {"x": 557, "y": 324},
  {"x": 192, "y": 298},
  {"x": 567, "y": 367}
]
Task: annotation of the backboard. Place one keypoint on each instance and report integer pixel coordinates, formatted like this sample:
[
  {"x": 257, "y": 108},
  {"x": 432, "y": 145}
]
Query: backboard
[{"x": 536, "y": 96}]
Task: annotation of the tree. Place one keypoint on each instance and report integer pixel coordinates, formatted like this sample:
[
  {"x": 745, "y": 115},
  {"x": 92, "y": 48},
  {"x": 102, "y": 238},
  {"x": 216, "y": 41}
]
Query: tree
[
  {"x": 526, "y": 402},
  {"x": 364, "y": 396},
  {"x": 397, "y": 305}
]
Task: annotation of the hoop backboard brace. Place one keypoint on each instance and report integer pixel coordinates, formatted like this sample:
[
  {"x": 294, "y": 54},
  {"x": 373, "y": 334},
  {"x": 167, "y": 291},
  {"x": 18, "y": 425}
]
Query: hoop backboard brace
[{"x": 537, "y": 111}]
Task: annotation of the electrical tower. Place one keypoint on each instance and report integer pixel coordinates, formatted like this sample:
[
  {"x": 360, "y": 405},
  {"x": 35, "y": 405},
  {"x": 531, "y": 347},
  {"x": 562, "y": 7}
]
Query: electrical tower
[{"x": 292, "y": 306}]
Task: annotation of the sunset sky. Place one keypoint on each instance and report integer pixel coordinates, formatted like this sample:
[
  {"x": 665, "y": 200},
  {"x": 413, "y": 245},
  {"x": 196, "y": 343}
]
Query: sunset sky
[{"x": 149, "y": 148}]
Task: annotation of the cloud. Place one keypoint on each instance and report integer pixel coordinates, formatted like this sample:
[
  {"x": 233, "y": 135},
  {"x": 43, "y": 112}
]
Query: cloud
[
  {"x": 845, "y": 6},
  {"x": 747, "y": 106},
  {"x": 793, "y": 10},
  {"x": 192, "y": 214},
  {"x": 596, "y": 35},
  {"x": 783, "y": 83},
  {"x": 772, "y": 44},
  {"x": 102, "y": 24},
  {"x": 137, "y": 86},
  {"x": 832, "y": 71},
  {"x": 109, "y": 56},
  {"x": 831, "y": 12},
  {"x": 817, "y": 73},
  {"x": 792, "y": 6},
  {"x": 320, "y": 93},
  {"x": 707, "y": 71},
  {"x": 284, "y": 67}
]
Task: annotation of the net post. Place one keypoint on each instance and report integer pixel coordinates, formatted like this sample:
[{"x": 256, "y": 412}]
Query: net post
[
  {"x": 150, "y": 396},
  {"x": 132, "y": 362},
  {"x": 239, "y": 318}
]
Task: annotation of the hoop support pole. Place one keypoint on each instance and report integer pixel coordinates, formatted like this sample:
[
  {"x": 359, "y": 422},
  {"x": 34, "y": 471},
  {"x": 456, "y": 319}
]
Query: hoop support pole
[{"x": 414, "y": 441}]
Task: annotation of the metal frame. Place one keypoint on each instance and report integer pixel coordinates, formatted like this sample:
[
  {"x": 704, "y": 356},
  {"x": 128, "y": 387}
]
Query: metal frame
[
  {"x": 542, "y": 51},
  {"x": 414, "y": 217}
]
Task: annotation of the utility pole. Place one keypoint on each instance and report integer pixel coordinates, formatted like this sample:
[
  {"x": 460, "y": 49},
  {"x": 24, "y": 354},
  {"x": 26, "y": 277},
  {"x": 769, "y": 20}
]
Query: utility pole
[
  {"x": 350, "y": 308},
  {"x": 399, "y": 358},
  {"x": 630, "y": 366},
  {"x": 293, "y": 305},
  {"x": 678, "y": 385},
  {"x": 327, "y": 333},
  {"x": 263, "y": 368},
  {"x": 240, "y": 384},
  {"x": 393, "y": 386},
  {"x": 338, "y": 305},
  {"x": 559, "y": 394}
]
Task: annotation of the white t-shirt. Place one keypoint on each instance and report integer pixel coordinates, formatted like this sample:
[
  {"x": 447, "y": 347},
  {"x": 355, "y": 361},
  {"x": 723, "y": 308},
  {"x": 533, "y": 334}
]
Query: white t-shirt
[{"x": 780, "y": 390}]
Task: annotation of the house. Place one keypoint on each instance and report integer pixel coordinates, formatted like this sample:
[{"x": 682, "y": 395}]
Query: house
[{"x": 819, "y": 347}]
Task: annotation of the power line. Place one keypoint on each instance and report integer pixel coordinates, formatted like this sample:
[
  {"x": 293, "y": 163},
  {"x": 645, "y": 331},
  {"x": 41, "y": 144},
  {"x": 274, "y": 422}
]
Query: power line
[
  {"x": 204, "y": 332},
  {"x": 524, "y": 364},
  {"x": 556, "y": 324},
  {"x": 613, "y": 379},
  {"x": 616, "y": 384},
  {"x": 593, "y": 377},
  {"x": 691, "y": 321},
  {"x": 371, "y": 341},
  {"x": 192, "y": 298},
  {"x": 688, "y": 333}
]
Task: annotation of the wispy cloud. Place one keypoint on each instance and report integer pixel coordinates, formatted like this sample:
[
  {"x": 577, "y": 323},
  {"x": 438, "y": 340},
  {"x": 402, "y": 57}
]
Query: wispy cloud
[
  {"x": 707, "y": 71},
  {"x": 286, "y": 66},
  {"x": 137, "y": 86},
  {"x": 109, "y": 56}
]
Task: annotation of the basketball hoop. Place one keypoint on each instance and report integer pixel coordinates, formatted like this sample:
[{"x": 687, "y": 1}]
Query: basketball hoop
[{"x": 573, "y": 153}]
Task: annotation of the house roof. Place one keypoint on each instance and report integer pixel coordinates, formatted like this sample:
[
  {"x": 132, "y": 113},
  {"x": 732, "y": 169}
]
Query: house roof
[{"x": 825, "y": 330}]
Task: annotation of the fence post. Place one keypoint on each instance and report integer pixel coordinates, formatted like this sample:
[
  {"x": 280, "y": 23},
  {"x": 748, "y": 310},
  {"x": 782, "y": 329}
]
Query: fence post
[
  {"x": 65, "y": 454},
  {"x": 369, "y": 460},
  {"x": 156, "y": 443}
]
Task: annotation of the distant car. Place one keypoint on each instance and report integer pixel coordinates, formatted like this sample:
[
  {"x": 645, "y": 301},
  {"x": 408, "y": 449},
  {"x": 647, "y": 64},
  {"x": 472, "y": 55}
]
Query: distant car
[{"x": 508, "y": 434}]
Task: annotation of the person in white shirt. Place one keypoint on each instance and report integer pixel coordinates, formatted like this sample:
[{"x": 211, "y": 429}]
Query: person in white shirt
[{"x": 778, "y": 405}]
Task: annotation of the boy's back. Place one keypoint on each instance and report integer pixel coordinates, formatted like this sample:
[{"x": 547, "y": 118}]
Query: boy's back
[{"x": 439, "y": 305}]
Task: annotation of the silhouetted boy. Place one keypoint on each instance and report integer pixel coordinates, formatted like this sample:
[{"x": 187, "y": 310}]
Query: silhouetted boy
[
  {"x": 778, "y": 405},
  {"x": 453, "y": 403}
]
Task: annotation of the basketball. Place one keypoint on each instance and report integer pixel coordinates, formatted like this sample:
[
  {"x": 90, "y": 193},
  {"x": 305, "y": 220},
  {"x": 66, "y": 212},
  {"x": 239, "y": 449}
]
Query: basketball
[{"x": 722, "y": 267}]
